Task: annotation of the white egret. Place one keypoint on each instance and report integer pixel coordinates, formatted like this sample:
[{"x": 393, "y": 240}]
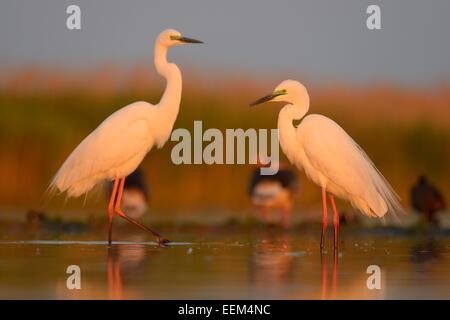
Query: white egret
[
  {"x": 120, "y": 143},
  {"x": 330, "y": 158}
]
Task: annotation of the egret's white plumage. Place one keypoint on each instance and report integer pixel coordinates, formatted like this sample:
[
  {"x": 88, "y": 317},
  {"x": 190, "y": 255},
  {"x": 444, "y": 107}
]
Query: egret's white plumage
[
  {"x": 120, "y": 142},
  {"x": 111, "y": 151},
  {"x": 328, "y": 155},
  {"x": 333, "y": 160}
]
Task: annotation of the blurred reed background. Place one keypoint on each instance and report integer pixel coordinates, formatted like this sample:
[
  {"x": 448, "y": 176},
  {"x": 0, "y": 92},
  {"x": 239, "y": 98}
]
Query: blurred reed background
[{"x": 45, "y": 113}]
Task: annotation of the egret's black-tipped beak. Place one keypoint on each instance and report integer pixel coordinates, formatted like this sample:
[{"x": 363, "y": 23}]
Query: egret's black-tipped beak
[
  {"x": 185, "y": 39},
  {"x": 189, "y": 40},
  {"x": 269, "y": 97},
  {"x": 262, "y": 100}
]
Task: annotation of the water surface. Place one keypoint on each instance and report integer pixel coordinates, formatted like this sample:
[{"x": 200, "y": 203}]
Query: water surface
[{"x": 233, "y": 262}]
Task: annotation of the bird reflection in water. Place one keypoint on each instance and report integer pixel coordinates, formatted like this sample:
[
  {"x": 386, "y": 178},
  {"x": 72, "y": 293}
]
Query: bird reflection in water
[
  {"x": 271, "y": 263},
  {"x": 115, "y": 289},
  {"x": 123, "y": 260},
  {"x": 273, "y": 266},
  {"x": 425, "y": 253},
  {"x": 324, "y": 269}
]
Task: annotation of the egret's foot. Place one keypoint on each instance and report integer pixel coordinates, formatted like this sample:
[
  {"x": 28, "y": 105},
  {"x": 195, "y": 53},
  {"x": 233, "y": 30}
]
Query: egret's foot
[{"x": 163, "y": 241}]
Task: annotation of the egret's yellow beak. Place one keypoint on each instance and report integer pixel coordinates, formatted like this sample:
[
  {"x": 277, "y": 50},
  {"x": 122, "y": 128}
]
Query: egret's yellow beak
[
  {"x": 185, "y": 39},
  {"x": 269, "y": 97}
]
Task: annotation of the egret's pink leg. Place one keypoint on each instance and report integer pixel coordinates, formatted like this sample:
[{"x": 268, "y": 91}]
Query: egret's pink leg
[
  {"x": 325, "y": 219},
  {"x": 111, "y": 210},
  {"x": 324, "y": 276},
  {"x": 120, "y": 213},
  {"x": 120, "y": 192},
  {"x": 335, "y": 224},
  {"x": 334, "y": 276},
  {"x": 336, "y": 246}
]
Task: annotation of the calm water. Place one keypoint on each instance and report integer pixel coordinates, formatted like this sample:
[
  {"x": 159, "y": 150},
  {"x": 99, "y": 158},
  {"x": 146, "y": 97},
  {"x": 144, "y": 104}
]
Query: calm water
[{"x": 224, "y": 263}]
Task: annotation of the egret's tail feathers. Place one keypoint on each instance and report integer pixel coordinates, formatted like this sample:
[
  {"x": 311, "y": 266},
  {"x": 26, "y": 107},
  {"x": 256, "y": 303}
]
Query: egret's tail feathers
[
  {"x": 66, "y": 180},
  {"x": 73, "y": 189},
  {"x": 49, "y": 193},
  {"x": 374, "y": 205},
  {"x": 380, "y": 197}
]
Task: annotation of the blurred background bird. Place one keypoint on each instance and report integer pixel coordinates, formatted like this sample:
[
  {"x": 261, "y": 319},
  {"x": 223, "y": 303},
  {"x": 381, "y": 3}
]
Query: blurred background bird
[
  {"x": 426, "y": 199},
  {"x": 274, "y": 193},
  {"x": 136, "y": 194}
]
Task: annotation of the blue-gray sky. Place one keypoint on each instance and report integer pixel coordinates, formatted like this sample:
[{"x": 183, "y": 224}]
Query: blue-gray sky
[{"x": 320, "y": 39}]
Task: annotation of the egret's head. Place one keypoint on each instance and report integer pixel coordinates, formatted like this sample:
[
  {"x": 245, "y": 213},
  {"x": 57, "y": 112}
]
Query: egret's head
[
  {"x": 289, "y": 91},
  {"x": 171, "y": 37}
]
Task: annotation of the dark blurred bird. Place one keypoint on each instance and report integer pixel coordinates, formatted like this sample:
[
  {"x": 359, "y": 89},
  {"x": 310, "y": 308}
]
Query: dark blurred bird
[
  {"x": 426, "y": 199},
  {"x": 135, "y": 194},
  {"x": 38, "y": 222},
  {"x": 274, "y": 192}
]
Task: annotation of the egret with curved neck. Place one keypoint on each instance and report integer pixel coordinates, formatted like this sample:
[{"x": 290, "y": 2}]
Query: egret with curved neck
[
  {"x": 121, "y": 141},
  {"x": 330, "y": 158}
]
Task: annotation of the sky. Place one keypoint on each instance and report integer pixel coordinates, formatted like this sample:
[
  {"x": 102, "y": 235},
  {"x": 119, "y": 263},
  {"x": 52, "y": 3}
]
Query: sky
[{"x": 324, "y": 40}]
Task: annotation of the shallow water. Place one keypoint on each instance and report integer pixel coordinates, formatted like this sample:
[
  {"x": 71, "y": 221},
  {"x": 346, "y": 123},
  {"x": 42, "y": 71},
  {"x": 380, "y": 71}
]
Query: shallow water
[{"x": 225, "y": 263}]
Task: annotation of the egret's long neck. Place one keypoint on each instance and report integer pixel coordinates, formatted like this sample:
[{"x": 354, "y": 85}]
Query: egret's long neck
[
  {"x": 287, "y": 131},
  {"x": 169, "y": 104}
]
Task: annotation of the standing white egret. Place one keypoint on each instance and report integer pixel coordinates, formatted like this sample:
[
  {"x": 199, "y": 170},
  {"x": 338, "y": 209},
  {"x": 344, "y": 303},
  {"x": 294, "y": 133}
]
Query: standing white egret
[
  {"x": 330, "y": 158},
  {"x": 120, "y": 143}
]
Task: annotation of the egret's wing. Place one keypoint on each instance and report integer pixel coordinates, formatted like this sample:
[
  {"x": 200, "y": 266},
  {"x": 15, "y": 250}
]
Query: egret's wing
[
  {"x": 118, "y": 139},
  {"x": 330, "y": 150},
  {"x": 336, "y": 155}
]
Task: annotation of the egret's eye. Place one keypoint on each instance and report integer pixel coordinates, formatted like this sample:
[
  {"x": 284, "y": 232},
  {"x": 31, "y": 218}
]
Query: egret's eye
[{"x": 279, "y": 92}]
